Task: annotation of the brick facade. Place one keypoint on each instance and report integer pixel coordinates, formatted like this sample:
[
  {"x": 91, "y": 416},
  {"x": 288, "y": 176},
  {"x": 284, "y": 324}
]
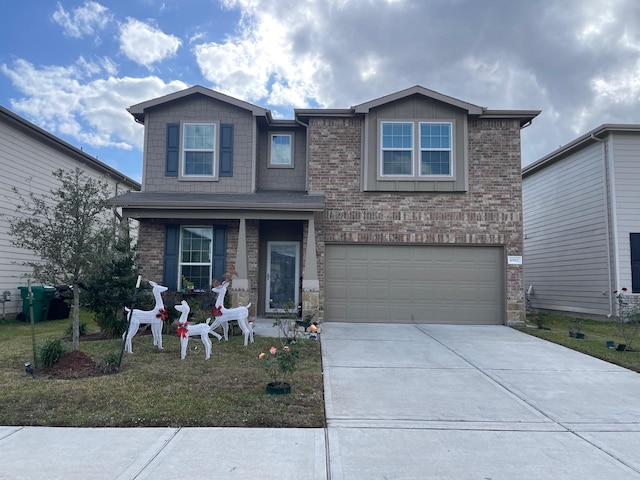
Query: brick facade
[
  {"x": 490, "y": 213},
  {"x": 479, "y": 205}
]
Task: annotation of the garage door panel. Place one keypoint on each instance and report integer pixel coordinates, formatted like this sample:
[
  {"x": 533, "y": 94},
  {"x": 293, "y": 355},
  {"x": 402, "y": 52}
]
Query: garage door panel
[{"x": 421, "y": 284}]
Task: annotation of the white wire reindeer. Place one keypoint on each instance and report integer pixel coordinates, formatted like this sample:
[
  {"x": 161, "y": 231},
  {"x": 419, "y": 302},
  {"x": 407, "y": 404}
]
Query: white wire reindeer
[
  {"x": 153, "y": 317},
  {"x": 241, "y": 314},
  {"x": 185, "y": 331}
]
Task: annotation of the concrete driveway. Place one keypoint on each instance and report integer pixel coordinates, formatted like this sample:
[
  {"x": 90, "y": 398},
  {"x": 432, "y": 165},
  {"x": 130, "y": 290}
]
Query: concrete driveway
[
  {"x": 402, "y": 402},
  {"x": 474, "y": 402}
]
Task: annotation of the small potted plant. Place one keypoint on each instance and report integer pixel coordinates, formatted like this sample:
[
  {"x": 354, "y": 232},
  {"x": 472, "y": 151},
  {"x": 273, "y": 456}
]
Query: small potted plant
[
  {"x": 279, "y": 363},
  {"x": 574, "y": 328}
]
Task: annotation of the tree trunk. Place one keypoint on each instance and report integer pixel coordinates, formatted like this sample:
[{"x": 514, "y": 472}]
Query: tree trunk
[{"x": 76, "y": 317}]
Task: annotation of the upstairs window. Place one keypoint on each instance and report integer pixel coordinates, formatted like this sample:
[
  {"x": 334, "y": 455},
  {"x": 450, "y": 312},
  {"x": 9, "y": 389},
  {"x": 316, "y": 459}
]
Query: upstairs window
[
  {"x": 281, "y": 152},
  {"x": 397, "y": 148},
  {"x": 199, "y": 152},
  {"x": 415, "y": 150},
  {"x": 435, "y": 148}
]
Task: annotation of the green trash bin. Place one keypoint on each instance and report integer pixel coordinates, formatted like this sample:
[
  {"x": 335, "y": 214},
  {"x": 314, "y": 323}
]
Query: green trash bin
[{"x": 41, "y": 295}]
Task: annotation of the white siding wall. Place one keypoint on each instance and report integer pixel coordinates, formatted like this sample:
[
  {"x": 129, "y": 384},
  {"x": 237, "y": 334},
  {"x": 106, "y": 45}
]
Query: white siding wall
[
  {"x": 565, "y": 226},
  {"x": 26, "y": 162},
  {"x": 625, "y": 149}
]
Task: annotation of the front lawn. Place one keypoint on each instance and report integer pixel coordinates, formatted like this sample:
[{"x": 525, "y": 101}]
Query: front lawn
[
  {"x": 596, "y": 333},
  {"x": 155, "y": 387}
]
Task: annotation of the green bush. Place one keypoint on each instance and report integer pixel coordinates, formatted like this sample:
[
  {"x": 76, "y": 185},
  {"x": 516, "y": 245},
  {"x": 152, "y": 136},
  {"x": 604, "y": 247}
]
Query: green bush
[
  {"x": 111, "y": 326},
  {"x": 109, "y": 363},
  {"x": 82, "y": 328},
  {"x": 50, "y": 352}
]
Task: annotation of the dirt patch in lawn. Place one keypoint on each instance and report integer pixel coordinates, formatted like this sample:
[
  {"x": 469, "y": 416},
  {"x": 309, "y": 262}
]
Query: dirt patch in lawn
[{"x": 74, "y": 365}]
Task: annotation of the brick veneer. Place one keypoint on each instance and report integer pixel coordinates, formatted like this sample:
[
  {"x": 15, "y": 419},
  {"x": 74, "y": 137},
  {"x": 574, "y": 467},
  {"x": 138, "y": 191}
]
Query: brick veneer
[
  {"x": 490, "y": 213},
  {"x": 151, "y": 248}
]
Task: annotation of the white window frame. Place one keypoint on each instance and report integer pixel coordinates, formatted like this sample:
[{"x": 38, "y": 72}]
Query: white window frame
[
  {"x": 271, "y": 155},
  {"x": 440, "y": 149},
  {"x": 213, "y": 151},
  {"x": 181, "y": 263},
  {"x": 416, "y": 151},
  {"x": 397, "y": 149}
]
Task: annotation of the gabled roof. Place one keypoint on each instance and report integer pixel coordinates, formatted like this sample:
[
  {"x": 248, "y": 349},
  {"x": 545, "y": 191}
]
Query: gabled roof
[
  {"x": 138, "y": 110},
  {"x": 595, "y": 135},
  {"x": 417, "y": 89},
  {"x": 523, "y": 116},
  {"x": 80, "y": 156}
]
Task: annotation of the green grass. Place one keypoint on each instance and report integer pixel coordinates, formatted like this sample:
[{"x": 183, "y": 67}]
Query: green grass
[
  {"x": 155, "y": 387},
  {"x": 597, "y": 333}
]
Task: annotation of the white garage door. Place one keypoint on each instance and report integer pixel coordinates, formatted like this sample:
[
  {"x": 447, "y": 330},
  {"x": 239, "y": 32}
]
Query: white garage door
[{"x": 414, "y": 284}]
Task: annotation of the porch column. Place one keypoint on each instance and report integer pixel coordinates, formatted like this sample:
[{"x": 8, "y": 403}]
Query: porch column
[
  {"x": 240, "y": 292},
  {"x": 310, "y": 282}
]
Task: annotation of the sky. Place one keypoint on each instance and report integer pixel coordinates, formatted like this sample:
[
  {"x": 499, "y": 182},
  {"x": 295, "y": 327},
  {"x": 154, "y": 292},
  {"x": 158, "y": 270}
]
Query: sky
[{"x": 73, "y": 67}]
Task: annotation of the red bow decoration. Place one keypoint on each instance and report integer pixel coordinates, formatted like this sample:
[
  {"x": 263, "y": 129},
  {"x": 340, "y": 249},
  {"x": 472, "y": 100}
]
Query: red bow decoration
[
  {"x": 216, "y": 311},
  {"x": 163, "y": 314},
  {"x": 182, "y": 330}
]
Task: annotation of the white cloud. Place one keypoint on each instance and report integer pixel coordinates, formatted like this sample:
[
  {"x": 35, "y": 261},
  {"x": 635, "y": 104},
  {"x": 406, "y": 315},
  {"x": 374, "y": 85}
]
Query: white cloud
[
  {"x": 259, "y": 63},
  {"x": 75, "y": 102},
  {"x": 145, "y": 44},
  {"x": 82, "y": 21}
]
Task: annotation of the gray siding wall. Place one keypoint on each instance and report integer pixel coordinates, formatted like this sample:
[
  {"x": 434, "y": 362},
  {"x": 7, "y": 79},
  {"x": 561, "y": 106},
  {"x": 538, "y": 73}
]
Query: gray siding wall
[
  {"x": 198, "y": 109},
  {"x": 281, "y": 178},
  {"x": 624, "y": 148},
  {"x": 27, "y": 164},
  {"x": 416, "y": 108},
  {"x": 565, "y": 234}
]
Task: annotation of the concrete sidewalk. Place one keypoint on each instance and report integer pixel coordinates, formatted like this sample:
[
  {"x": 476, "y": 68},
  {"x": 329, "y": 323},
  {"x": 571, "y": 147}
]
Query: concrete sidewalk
[{"x": 402, "y": 402}]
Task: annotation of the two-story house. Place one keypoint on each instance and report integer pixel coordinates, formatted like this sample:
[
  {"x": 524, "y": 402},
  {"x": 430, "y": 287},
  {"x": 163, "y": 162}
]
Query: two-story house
[
  {"x": 402, "y": 209},
  {"x": 581, "y": 223},
  {"x": 28, "y": 156}
]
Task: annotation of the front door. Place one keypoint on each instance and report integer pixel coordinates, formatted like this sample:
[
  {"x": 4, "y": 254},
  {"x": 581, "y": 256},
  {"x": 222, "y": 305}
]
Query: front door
[{"x": 283, "y": 274}]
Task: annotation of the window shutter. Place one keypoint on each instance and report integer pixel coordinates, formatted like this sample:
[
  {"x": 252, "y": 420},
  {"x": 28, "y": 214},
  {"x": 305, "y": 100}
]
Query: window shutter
[
  {"x": 170, "y": 262},
  {"x": 226, "y": 150},
  {"x": 219, "y": 261},
  {"x": 635, "y": 262},
  {"x": 173, "y": 150}
]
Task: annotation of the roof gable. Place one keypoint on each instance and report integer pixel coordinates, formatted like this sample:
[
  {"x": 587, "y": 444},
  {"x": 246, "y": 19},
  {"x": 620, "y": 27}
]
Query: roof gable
[
  {"x": 418, "y": 90},
  {"x": 138, "y": 110}
]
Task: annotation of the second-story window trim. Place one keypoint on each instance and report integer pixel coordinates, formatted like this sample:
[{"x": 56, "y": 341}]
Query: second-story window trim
[
  {"x": 281, "y": 150},
  {"x": 199, "y": 150},
  {"x": 416, "y": 149}
]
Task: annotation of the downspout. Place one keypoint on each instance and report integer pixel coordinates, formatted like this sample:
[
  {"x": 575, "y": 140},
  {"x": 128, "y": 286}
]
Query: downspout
[{"x": 605, "y": 173}]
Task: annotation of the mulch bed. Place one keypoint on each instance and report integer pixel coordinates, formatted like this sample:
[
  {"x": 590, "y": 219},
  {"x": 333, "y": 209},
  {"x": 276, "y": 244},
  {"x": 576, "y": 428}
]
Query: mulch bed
[{"x": 74, "y": 365}]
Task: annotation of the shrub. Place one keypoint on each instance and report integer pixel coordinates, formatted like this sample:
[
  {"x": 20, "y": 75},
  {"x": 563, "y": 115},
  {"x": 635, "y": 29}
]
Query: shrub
[
  {"x": 82, "y": 328},
  {"x": 50, "y": 352},
  {"x": 111, "y": 326},
  {"x": 109, "y": 363},
  {"x": 628, "y": 318}
]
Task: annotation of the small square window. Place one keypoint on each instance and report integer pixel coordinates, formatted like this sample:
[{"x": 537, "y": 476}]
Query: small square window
[{"x": 281, "y": 152}]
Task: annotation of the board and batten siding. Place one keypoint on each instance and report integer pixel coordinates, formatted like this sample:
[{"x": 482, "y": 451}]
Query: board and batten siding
[
  {"x": 565, "y": 234},
  {"x": 27, "y": 163},
  {"x": 624, "y": 148}
]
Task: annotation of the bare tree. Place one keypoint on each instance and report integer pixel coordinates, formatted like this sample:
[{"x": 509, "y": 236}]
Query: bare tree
[{"x": 69, "y": 229}]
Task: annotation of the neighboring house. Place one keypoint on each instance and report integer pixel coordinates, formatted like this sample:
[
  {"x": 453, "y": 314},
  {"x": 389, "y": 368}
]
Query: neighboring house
[
  {"x": 29, "y": 155},
  {"x": 582, "y": 222},
  {"x": 401, "y": 209}
]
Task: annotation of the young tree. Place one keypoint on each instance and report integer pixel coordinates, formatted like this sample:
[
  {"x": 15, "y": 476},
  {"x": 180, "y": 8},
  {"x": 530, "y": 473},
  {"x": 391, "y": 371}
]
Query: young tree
[
  {"x": 69, "y": 229},
  {"x": 109, "y": 288}
]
